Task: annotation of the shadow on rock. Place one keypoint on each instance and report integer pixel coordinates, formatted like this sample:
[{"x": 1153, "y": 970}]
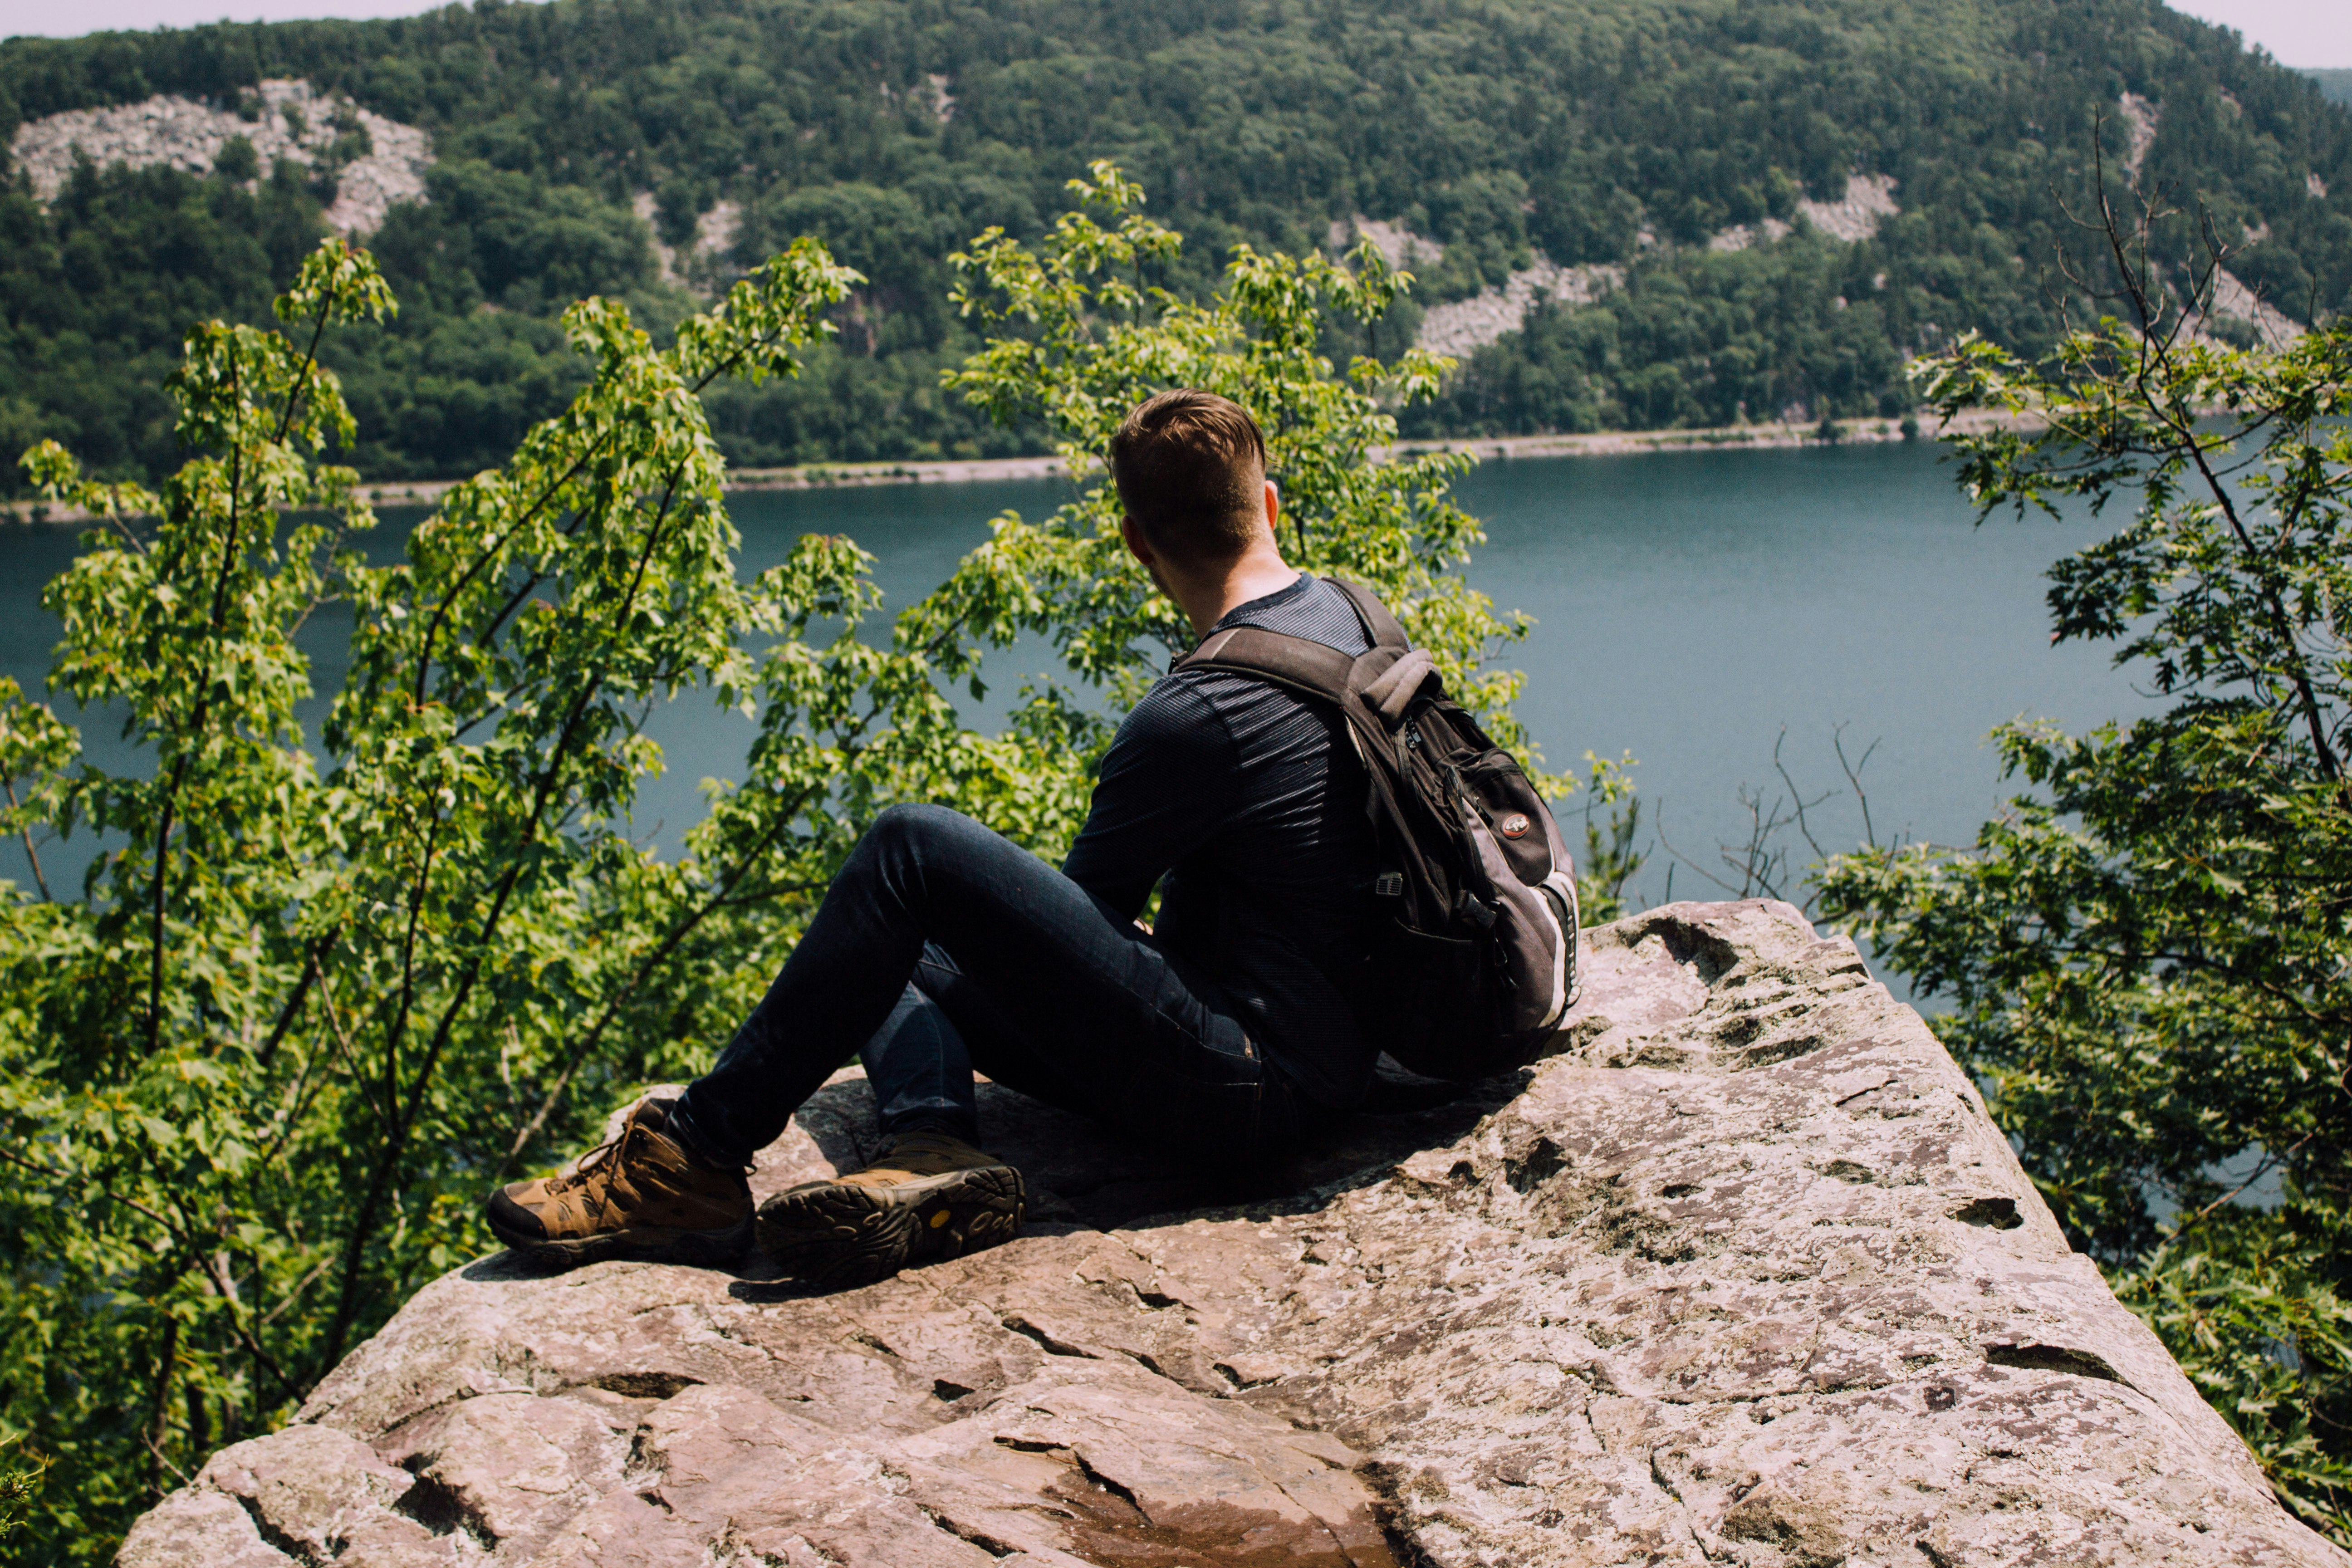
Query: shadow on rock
[
  {"x": 1078, "y": 1170},
  {"x": 1745, "y": 1274}
]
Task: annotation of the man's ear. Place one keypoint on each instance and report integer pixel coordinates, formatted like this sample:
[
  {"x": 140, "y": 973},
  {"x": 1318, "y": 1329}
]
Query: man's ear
[
  {"x": 1272, "y": 507},
  {"x": 1136, "y": 545}
]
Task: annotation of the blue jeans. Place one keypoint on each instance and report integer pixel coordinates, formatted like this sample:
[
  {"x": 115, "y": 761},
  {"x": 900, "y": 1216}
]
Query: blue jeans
[{"x": 943, "y": 947}]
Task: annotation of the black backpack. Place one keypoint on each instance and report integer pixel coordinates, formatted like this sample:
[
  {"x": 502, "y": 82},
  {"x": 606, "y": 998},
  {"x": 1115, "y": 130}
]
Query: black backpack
[{"x": 1468, "y": 966}]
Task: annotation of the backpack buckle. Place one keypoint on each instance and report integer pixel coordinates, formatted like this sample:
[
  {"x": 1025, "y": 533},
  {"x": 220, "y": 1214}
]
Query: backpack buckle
[{"x": 1389, "y": 885}]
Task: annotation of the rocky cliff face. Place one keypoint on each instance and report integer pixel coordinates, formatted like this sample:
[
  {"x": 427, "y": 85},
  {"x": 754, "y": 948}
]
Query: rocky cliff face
[
  {"x": 291, "y": 121},
  {"x": 1743, "y": 1275}
]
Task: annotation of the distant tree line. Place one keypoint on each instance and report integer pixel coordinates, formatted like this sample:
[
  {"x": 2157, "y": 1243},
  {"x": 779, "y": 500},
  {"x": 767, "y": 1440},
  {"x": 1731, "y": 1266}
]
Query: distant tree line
[{"x": 1625, "y": 131}]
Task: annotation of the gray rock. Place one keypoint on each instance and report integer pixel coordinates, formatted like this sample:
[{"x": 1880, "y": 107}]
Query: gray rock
[
  {"x": 292, "y": 121},
  {"x": 1743, "y": 1274},
  {"x": 1462, "y": 327}
]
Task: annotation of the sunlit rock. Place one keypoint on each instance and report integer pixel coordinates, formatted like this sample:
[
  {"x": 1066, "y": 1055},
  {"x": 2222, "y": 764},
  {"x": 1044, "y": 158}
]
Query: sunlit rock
[{"x": 1743, "y": 1275}]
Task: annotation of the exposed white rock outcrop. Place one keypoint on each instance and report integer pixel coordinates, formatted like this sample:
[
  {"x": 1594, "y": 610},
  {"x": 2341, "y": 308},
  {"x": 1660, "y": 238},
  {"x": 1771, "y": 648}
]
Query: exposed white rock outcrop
[
  {"x": 1744, "y": 1276},
  {"x": 934, "y": 93},
  {"x": 1460, "y": 327},
  {"x": 1464, "y": 326},
  {"x": 1399, "y": 245},
  {"x": 2233, "y": 301},
  {"x": 2141, "y": 116},
  {"x": 1869, "y": 200},
  {"x": 1740, "y": 236},
  {"x": 943, "y": 101},
  {"x": 697, "y": 265},
  {"x": 296, "y": 122}
]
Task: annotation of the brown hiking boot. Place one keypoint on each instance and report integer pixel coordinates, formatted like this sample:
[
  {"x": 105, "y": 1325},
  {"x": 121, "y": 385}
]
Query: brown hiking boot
[
  {"x": 928, "y": 1196},
  {"x": 639, "y": 1196}
]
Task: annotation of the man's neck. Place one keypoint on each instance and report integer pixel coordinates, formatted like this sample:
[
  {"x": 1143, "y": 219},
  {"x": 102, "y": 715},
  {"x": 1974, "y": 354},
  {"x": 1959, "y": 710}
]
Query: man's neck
[{"x": 1210, "y": 598}]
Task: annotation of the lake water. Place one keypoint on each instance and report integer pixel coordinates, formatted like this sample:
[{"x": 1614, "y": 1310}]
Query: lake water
[{"x": 1690, "y": 609}]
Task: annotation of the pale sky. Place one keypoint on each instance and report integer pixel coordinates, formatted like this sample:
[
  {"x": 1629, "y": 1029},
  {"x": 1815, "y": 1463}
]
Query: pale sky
[
  {"x": 71, "y": 18},
  {"x": 2298, "y": 32}
]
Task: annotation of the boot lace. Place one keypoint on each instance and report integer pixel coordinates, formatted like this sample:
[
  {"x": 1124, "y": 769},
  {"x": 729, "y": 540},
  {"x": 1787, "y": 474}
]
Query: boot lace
[{"x": 595, "y": 1176}]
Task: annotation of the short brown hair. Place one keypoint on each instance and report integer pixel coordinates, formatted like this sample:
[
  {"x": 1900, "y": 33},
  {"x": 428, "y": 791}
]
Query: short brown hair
[{"x": 1190, "y": 470}]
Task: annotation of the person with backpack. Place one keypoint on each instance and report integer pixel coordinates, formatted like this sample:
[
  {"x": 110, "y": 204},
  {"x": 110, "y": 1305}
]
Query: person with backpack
[{"x": 1343, "y": 866}]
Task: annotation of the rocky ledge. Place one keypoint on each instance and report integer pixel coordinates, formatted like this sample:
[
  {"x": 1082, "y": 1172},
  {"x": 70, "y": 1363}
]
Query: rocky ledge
[{"x": 1743, "y": 1274}]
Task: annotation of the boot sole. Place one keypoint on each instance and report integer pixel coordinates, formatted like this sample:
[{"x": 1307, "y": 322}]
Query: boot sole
[
  {"x": 646, "y": 1244},
  {"x": 838, "y": 1235}
]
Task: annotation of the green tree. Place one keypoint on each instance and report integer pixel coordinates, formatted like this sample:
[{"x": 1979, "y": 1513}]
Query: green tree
[
  {"x": 256, "y": 1068},
  {"x": 255, "y": 1072},
  {"x": 2149, "y": 957},
  {"x": 19, "y": 1484}
]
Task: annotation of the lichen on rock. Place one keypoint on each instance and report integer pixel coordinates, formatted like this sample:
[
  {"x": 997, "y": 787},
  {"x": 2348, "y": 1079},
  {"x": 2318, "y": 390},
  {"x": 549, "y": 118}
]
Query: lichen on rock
[{"x": 1743, "y": 1274}]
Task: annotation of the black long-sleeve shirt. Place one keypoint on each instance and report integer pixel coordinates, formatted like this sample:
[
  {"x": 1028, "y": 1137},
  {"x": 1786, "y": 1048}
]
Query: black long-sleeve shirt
[{"x": 1250, "y": 801}]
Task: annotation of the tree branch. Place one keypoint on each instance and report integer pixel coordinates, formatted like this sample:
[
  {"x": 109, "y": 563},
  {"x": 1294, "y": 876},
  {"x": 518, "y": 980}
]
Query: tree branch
[
  {"x": 30, "y": 853},
  {"x": 404, "y": 1115}
]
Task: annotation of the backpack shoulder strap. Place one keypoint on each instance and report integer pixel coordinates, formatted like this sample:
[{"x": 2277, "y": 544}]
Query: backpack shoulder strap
[
  {"x": 1379, "y": 625},
  {"x": 1302, "y": 663},
  {"x": 1314, "y": 668}
]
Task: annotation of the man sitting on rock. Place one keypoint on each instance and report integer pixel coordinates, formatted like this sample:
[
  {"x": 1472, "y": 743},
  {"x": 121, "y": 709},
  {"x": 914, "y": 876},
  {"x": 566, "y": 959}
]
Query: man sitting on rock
[{"x": 942, "y": 947}]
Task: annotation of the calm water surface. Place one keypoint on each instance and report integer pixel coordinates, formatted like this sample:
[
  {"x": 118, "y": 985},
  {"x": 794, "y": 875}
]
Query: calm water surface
[{"x": 1690, "y": 609}]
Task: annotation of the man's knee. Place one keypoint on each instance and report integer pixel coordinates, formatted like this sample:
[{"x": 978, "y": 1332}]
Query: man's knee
[
  {"x": 909, "y": 845},
  {"x": 904, "y": 827}
]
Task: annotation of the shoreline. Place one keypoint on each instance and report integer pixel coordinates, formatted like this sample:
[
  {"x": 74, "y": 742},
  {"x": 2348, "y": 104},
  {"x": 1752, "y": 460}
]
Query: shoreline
[
  {"x": 975, "y": 470},
  {"x": 1868, "y": 432}
]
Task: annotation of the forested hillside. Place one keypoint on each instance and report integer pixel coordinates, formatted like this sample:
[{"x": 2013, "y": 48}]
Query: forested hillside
[{"x": 1645, "y": 137}]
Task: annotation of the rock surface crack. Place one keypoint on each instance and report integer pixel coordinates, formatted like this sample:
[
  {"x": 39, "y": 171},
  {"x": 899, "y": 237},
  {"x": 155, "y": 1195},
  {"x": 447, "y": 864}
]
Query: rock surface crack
[
  {"x": 445, "y": 1510},
  {"x": 2037, "y": 1357},
  {"x": 1028, "y": 1330},
  {"x": 969, "y": 1532},
  {"x": 274, "y": 1538}
]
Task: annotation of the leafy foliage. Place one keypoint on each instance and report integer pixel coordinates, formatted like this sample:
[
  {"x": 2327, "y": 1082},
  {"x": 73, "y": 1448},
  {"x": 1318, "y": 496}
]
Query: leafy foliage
[
  {"x": 1610, "y": 131},
  {"x": 2149, "y": 956},
  {"x": 19, "y": 1484},
  {"x": 257, "y": 1071},
  {"x": 257, "y": 1066},
  {"x": 1094, "y": 337}
]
